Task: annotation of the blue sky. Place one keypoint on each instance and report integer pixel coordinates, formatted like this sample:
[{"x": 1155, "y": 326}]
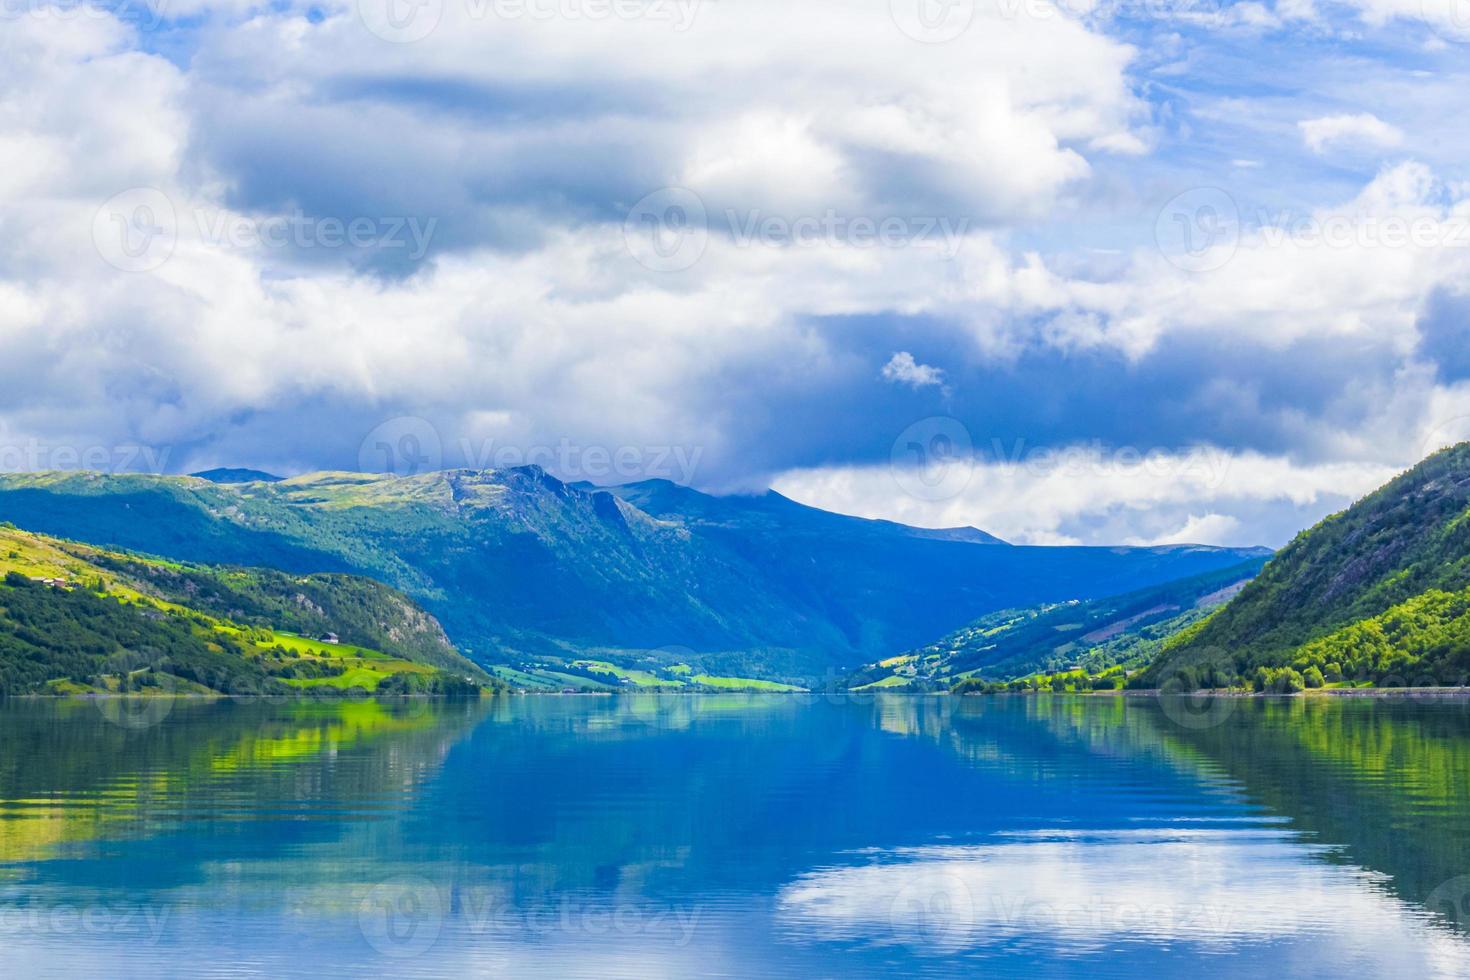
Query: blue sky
[{"x": 1137, "y": 271}]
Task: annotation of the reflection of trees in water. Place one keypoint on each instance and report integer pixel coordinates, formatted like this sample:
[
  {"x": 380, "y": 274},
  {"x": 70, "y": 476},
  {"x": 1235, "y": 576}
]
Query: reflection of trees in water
[
  {"x": 1381, "y": 780},
  {"x": 70, "y": 772},
  {"x": 1385, "y": 779},
  {"x": 643, "y": 795}
]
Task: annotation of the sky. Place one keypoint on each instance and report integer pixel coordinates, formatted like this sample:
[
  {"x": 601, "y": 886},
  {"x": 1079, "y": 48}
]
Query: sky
[{"x": 1071, "y": 271}]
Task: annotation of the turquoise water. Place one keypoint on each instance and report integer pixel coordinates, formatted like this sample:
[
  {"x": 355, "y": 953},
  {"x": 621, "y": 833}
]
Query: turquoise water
[{"x": 736, "y": 836}]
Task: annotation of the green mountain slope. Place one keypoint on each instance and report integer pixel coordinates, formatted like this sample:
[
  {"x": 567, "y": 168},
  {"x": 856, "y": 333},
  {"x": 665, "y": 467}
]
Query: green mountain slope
[
  {"x": 1376, "y": 593},
  {"x": 523, "y": 569},
  {"x": 75, "y": 618},
  {"x": 1121, "y": 631}
]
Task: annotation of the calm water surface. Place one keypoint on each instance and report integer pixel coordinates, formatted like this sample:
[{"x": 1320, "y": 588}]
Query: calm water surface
[{"x": 737, "y": 836}]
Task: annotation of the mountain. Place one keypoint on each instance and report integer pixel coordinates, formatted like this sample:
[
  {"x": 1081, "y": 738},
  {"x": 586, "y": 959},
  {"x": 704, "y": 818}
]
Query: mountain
[
  {"x": 771, "y": 514},
  {"x": 237, "y": 476},
  {"x": 74, "y": 617},
  {"x": 1093, "y": 636},
  {"x": 1378, "y": 593},
  {"x": 523, "y": 569}
]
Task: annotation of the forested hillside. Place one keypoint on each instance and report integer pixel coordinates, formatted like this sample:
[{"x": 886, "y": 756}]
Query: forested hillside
[
  {"x": 78, "y": 619},
  {"x": 1379, "y": 593}
]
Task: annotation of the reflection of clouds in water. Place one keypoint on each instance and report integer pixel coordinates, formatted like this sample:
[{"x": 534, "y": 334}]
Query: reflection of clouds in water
[{"x": 1081, "y": 892}]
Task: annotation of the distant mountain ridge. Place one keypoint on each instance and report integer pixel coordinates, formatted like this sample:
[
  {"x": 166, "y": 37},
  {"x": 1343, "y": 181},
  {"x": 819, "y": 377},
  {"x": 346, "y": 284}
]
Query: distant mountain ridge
[
  {"x": 521, "y": 567},
  {"x": 227, "y": 475},
  {"x": 770, "y": 510}
]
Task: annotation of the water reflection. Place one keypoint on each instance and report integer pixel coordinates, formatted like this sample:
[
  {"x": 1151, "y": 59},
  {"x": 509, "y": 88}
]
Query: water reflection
[{"x": 733, "y": 835}]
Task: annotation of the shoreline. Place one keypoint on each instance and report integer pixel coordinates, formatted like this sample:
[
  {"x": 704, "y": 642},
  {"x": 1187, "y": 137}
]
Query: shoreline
[
  {"x": 1448, "y": 693},
  {"x": 1441, "y": 693}
]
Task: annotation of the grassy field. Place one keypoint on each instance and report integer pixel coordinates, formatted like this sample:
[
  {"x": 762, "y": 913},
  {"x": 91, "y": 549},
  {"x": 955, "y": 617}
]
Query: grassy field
[{"x": 742, "y": 684}]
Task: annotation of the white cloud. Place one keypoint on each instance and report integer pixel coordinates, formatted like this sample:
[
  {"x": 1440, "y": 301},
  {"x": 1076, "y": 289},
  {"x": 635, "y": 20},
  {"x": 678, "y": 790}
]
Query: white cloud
[
  {"x": 529, "y": 140},
  {"x": 1363, "y": 129},
  {"x": 1217, "y": 529},
  {"x": 1075, "y": 894},
  {"x": 1086, "y": 495},
  {"x": 903, "y": 369}
]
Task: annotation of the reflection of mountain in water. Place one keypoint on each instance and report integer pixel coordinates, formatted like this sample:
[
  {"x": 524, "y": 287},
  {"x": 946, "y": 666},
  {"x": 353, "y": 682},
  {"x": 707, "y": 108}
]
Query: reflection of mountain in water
[
  {"x": 1380, "y": 782},
  {"x": 796, "y": 820},
  {"x": 1384, "y": 780},
  {"x": 73, "y": 772}
]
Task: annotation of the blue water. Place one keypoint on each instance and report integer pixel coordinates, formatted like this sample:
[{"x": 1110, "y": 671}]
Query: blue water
[{"x": 740, "y": 836}]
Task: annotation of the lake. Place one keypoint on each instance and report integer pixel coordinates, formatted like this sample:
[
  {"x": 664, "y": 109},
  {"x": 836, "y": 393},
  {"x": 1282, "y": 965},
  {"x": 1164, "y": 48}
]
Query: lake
[{"x": 733, "y": 835}]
